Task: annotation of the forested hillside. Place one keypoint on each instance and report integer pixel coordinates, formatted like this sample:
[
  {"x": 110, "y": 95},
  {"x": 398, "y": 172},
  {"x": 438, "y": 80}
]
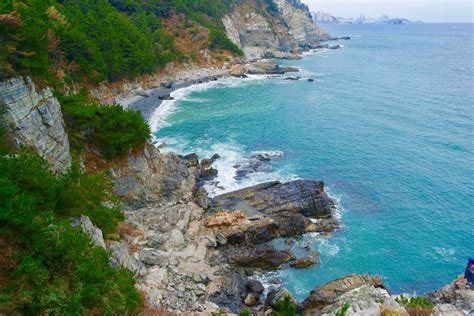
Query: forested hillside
[{"x": 97, "y": 40}]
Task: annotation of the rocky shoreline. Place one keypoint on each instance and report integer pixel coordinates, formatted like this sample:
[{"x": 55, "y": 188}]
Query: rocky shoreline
[{"x": 196, "y": 255}]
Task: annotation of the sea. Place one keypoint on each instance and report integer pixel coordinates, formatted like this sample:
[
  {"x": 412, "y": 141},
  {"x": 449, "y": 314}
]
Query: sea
[{"x": 387, "y": 124}]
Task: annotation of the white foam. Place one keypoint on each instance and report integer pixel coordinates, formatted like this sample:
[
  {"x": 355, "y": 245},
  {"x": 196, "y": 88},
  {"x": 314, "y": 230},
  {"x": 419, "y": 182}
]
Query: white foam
[
  {"x": 326, "y": 247},
  {"x": 159, "y": 118}
]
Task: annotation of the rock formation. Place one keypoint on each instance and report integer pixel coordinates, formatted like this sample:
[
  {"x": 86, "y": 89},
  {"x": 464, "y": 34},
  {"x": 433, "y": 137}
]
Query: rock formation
[
  {"x": 298, "y": 18},
  {"x": 262, "y": 33},
  {"x": 33, "y": 118}
]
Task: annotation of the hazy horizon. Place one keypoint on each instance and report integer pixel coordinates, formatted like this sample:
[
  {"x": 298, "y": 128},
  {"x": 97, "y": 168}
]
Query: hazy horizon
[{"x": 425, "y": 10}]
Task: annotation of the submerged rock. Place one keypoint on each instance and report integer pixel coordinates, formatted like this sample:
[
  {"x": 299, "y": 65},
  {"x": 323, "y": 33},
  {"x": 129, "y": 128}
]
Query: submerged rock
[{"x": 302, "y": 263}]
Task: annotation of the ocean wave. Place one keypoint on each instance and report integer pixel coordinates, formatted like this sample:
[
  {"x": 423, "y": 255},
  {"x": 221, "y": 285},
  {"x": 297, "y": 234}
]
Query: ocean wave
[{"x": 159, "y": 118}]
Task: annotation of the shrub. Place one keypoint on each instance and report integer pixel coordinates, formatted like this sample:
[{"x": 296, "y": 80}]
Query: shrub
[
  {"x": 416, "y": 306},
  {"x": 343, "y": 310},
  {"x": 219, "y": 40},
  {"x": 285, "y": 308},
  {"x": 110, "y": 129},
  {"x": 57, "y": 270}
]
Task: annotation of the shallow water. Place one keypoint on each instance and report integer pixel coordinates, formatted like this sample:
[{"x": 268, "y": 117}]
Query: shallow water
[{"x": 387, "y": 124}]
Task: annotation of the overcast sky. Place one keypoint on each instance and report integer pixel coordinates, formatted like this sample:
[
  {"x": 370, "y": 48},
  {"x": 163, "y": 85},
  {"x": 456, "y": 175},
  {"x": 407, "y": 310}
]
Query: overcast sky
[{"x": 426, "y": 10}]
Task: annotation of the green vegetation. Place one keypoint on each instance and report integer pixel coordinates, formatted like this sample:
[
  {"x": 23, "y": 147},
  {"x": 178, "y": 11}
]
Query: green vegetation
[
  {"x": 285, "y": 308},
  {"x": 110, "y": 129},
  {"x": 343, "y": 310},
  {"x": 416, "y": 306},
  {"x": 53, "y": 268},
  {"x": 244, "y": 312},
  {"x": 96, "y": 40}
]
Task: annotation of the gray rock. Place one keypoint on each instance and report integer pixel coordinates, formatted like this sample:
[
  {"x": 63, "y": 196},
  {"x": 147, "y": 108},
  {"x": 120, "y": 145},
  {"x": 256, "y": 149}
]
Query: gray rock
[
  {"x": 211, "y": 242},
  {"x": 264, "y": 257},
  {"x": 278, "y": 295},
  {"x": 157, "y": 241},
  {"x": 255, "y": 286},
  {"x": 151, "y": 256},
  {"x": 33, "y": 118},
  {"x": 221, "y": 239},
  {"x": 176, "y": 238},
  {"x": 121, "y": 256},
  {"x": 92, "y": 231},
  {"x": 329, "y": 293},
  {"x": 149, "y": 176},
  {"x": 305, "y": 197}
]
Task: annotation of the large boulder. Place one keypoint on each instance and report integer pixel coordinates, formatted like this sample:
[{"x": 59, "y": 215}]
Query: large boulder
[
  {"x": 331, "y": 292},
  {"x": 32, "y": 117},
  {"x": 264, "y": 257},
  {"x": 305, "y": 197}
]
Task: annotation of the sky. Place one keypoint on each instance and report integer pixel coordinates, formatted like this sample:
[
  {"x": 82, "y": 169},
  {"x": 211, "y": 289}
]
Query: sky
[{"x": 425, "y": 10}]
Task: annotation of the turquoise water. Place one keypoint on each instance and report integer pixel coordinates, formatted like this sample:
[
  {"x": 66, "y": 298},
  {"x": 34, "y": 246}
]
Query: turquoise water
[{"x": 387, "y": 124}]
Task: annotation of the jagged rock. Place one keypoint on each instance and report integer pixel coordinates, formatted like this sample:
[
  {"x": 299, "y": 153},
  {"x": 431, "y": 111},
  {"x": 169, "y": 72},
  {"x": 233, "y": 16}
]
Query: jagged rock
[
  {"x": 176, "y": 239},
  {"x": 290, "y": 225},
  {"x": 225, "y": 219},
  {"x": 121, "y": 256},
  {"x": 157, "y": 241},
  {"x": 255, "y": 286},
  {"x": 277, "y": 295},
  {"x": 151, "y": 256},
  {"x": 221, "y": 239},
  {"x": 310, "y": 80},
  {"x": 330, "y": 293},
  {"x": 148, "y": 176},
  {"x": 256, "y": 33},
  {"x": 165, "y": 97},
  {"x": 306, "y": 197},
  {"x": 335, "y": 47},
  {"x": 92, "y": 231},
  {"x": 254, "y": 235},
  {"x": 201, "y": 198},
  {"x": 33, "y": 118},
  {"x": 250, "y": 300},
  {"x": 299, "y": 20},
  {"x": 264, "y": 256},
  {"x": 302, "y": 263},
  {"x": 292, "y": 78},
  {"x": 454, "y": 298},
  {"x": 263, "y": 67},
  {"x": 290, "y": 69}
]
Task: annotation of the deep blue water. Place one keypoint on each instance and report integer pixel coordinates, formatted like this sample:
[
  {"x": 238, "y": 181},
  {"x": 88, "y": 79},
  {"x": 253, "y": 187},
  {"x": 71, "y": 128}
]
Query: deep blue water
[{"x": 387, "y": 124}]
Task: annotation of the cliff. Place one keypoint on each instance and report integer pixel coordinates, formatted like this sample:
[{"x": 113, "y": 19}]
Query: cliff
[
  {"x": 280, "y": 32},
  {"x": 300, "y": 23},
  {"x": 32, "y": 117}
]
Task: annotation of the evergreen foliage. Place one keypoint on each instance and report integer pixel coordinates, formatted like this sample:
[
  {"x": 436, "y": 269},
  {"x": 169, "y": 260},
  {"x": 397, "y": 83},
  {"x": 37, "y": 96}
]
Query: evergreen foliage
[
  {"x": 97, "y": 40},
  {"x": 110, "y": 129},
  {"x": 57, "y": 270}
]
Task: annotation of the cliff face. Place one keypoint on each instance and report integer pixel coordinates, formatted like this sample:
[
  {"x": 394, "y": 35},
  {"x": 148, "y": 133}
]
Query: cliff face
[
  {"x": 263, "y": 34},
  {"x": 33, "y": 118},
  {"x": 258, "y": 33},
  {"x": 305, "y": 32}
]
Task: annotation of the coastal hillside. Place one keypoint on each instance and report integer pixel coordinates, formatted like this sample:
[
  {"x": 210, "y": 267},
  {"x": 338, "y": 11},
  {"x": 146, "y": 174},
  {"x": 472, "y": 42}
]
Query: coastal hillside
[
  {"x": 96, "y": 41},
  {"x": 96, "y": 218}
]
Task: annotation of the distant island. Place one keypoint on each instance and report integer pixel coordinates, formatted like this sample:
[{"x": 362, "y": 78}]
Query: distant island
[{"x": 327, "y": 18}]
